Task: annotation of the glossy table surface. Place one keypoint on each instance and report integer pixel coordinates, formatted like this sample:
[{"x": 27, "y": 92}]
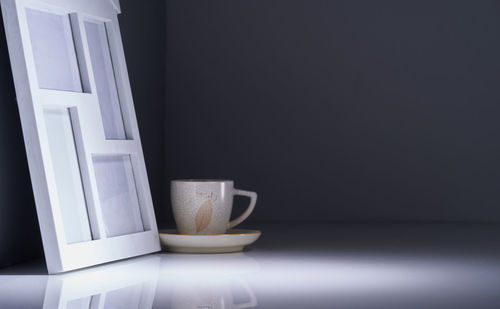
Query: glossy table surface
[{"x": 291, "y": 266}]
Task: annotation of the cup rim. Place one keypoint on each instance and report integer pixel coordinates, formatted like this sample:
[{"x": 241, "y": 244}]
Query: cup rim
[{"x": 187, "y": 180}]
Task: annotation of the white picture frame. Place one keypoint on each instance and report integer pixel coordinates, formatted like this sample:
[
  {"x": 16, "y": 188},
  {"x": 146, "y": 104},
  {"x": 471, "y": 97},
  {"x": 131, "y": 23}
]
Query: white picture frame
[{"x": 82, "y": 139}]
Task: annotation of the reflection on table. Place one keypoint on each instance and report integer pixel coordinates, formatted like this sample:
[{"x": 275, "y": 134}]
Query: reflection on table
[
  {"x": 299, "y": 266},
  {"x": 168, "y": 281}
]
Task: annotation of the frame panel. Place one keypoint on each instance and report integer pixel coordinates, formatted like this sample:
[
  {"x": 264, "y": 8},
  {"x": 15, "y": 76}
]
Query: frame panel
[{"x": 70, "y": 191}]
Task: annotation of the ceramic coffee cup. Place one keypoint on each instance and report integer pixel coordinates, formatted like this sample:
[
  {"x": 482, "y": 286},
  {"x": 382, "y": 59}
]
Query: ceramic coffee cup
[{"x": 203, "y": 206}]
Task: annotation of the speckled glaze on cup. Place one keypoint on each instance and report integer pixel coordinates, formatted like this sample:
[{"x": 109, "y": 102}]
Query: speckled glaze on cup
[{"x": 203, "y": 206}]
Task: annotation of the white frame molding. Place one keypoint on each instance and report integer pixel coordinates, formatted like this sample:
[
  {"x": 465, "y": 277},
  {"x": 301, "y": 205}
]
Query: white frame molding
[{"x": 88, "y": 135}]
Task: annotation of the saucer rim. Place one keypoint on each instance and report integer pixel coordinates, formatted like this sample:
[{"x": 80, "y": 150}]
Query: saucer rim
[{"x": 175, "y": 233}]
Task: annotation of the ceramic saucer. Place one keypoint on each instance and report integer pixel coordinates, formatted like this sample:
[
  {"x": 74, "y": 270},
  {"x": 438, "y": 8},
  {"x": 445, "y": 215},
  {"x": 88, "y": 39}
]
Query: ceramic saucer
[{"x": 232, "y": 241}]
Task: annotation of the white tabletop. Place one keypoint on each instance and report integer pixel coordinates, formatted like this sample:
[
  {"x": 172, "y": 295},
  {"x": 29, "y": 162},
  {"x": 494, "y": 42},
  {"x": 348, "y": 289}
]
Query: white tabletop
[{"x": 291, "y": 266}]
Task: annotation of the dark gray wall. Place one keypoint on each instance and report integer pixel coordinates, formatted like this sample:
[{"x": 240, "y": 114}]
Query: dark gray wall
[
  {"x": 19, "y": 232},
  {"x": 331, "y": 110},
  {"x": 339, "y": 110},
  {"x": 143, "y": 31}
]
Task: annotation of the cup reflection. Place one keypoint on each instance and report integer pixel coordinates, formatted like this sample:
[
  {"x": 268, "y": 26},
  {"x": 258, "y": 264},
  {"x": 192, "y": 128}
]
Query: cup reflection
[
  {"x": 212, "y": 294},
  {"x": 206, "y": 281}
]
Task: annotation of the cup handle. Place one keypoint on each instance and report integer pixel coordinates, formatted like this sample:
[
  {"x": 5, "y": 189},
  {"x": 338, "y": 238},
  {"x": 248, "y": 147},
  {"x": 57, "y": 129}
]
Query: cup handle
[{"x": 253, "y": 200}]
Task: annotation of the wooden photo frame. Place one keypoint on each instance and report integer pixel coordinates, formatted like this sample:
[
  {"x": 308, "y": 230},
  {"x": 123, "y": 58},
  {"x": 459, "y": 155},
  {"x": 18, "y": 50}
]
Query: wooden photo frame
[{"x": 82, "y": 140}]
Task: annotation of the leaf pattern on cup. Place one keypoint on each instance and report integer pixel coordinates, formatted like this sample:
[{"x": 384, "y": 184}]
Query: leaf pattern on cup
[{"x": 204, "y": 215}]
